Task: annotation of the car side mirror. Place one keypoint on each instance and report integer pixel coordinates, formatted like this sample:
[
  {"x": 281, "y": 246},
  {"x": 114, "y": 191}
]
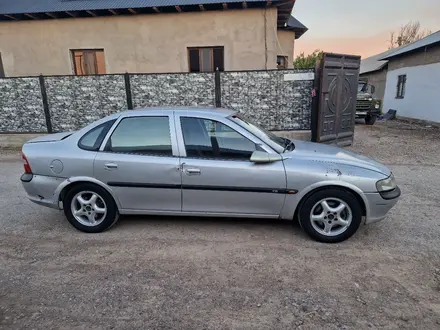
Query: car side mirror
[
  {"x": 373, "y": 89},
  {"x": 261, "y": 157}
]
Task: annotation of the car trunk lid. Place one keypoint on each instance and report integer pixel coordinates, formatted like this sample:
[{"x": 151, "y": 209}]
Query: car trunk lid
[{"x": 51, "y": 137}]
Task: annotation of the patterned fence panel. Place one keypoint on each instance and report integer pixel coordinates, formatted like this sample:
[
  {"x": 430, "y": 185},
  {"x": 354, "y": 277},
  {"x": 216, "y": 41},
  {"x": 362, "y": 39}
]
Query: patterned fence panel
[
  {"x": 21, "y": 106},
  {"x": 173, "y": 89},
  {"x": 75, "y": 102},
  {"x": 277, "y": 100}
]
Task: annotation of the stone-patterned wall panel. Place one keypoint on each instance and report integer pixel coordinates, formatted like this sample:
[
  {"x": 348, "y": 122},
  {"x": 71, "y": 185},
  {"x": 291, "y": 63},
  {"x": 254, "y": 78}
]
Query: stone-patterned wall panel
[
  {"x": 75, "y": 102},
  {"x": 21, "y": 106},
  {"x": 189, "y": 89},
  {"x": 268, "y": 99},
  {"x": 265, "y": 96}
]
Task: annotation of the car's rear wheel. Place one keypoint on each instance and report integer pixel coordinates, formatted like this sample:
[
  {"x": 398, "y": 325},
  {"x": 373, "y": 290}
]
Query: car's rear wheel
[
  {"x": 331, "y": 215},
  {"x": 90, "y": 208},
  {"x": 370, "y": 119}
]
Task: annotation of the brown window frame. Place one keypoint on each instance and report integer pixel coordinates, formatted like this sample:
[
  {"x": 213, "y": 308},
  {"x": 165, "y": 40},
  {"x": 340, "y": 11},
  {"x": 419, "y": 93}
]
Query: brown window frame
[
  {"x": 88, "y": 50},
  {"x": 211, "y": 48},
  {"x": 286, "y": 62}
]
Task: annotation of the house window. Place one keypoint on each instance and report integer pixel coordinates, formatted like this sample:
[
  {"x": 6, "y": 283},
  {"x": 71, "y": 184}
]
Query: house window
[
  {"x": 401, "y": 85},
  {"x": 2, "y": 71},
  {"x": 88, "y": 61},
  {"x": 282, "y": 62},
  {"x": 206, "y": 59}
]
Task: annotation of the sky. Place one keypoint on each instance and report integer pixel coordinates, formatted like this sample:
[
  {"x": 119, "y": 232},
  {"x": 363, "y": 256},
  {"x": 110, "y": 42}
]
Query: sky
[{"x": 360, "y": 27}]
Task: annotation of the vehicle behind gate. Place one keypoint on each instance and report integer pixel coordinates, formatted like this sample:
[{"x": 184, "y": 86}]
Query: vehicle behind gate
[
  {"x": 367, "y": 106},
  {"x": 203, "y": 162}
]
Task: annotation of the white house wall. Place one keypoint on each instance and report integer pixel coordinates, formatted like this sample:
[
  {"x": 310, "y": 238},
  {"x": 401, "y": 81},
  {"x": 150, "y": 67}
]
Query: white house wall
[{"x": 422, "y": 92}]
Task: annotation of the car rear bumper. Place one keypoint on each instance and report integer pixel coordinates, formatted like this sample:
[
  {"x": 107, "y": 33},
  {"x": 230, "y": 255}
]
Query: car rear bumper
[
  {"x": 41, "y": 189},
  {"x": 380, "y": 206}
]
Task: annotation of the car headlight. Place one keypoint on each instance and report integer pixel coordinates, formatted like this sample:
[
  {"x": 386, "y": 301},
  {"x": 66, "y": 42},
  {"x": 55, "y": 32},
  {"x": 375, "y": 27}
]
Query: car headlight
[
  {"x": 370, "y": 99},
  {"x": 386, "y": 184},
  {"x": 377, "y": 106}
]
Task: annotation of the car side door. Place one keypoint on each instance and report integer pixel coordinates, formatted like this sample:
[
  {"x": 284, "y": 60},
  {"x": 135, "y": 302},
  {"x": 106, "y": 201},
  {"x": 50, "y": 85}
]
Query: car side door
[
  {"x": 139, "y": 162},
  {"x": 217, "y": 174}
]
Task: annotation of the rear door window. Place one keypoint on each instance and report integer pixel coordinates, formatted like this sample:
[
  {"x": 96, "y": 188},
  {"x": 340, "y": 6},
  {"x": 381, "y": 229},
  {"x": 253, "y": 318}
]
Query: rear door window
[{"x": 142, "y": 135}]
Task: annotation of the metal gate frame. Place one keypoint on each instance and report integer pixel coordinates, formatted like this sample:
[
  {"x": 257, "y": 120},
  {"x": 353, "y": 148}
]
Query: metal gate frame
[{"x": 334, "y": 102}]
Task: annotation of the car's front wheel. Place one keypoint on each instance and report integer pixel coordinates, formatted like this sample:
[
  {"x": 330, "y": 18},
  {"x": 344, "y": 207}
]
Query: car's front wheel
[
  {"x": 90, "y": 208},
  {"x": 330, "y": 215}
]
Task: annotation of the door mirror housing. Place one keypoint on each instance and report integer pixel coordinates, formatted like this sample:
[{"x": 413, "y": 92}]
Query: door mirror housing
[{"x": 261, "y": 157}]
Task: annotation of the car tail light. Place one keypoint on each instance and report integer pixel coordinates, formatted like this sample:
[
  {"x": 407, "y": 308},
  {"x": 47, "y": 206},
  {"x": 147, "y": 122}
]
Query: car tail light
[{"x": 27, "y": 167}]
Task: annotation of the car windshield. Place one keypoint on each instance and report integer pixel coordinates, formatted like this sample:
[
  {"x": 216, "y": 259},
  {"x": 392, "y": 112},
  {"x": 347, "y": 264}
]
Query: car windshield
[
  {"x": 362, "y": 87},
  {"x": 259, "y": 131}
]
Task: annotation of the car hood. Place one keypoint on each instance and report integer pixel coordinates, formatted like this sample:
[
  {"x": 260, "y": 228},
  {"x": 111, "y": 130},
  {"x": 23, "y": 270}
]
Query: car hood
[
  {"x": 331, "y": 154},
  {"x": 363, "y": 96}
]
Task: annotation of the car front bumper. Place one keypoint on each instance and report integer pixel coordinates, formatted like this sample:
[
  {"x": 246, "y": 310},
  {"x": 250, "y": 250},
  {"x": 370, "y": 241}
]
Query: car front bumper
[
  {"x": 41, "y": 189},
  {"x": 379, "y": 205},
  {"x": 365, "y": 113}
]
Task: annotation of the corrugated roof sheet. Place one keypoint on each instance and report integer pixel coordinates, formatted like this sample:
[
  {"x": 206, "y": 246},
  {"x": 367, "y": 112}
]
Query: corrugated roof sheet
[
  {"x": 374, "y": 63},
  {"x": 42, "y": 6},
  {"x": 429, "y": 40}
]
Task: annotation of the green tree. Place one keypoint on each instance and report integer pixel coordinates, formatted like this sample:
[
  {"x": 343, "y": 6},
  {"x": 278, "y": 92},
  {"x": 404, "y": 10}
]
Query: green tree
[
  {"x": 306, "y": 62},
  {"x": 407, "y": 34}
]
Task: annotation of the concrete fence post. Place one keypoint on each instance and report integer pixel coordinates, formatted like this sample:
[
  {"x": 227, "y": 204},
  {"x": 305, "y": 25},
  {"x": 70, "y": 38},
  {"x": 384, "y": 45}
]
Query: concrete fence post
[
  {"x": 45, "y": 104},
  {"x": 217, "y": 89},
  {"x": 128, "y": 91}
]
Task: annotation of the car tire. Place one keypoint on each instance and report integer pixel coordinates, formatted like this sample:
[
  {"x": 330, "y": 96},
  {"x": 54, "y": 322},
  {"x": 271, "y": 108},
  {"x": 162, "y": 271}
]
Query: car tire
[
  {"x": 370, "y": 120},
  {"x": 315, "y": 217},
  {"x": 90, "y": 208}
]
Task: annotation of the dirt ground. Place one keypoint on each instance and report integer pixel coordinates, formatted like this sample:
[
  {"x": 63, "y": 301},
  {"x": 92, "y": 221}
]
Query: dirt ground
[{"x": 192, "y": 273}]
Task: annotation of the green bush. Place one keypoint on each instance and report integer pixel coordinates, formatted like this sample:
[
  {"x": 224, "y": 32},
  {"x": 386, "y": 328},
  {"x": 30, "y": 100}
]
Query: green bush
[{"x": 307, "y": 62}]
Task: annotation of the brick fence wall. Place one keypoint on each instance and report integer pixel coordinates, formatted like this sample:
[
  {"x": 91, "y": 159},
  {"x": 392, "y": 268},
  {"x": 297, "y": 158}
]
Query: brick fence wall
[{"x": 63, "y": 103}]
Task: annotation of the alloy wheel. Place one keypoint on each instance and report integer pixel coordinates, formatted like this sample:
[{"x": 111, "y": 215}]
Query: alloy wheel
[
  {"x": 88, "y": 208},
  {"x": 331, "y": 216}
]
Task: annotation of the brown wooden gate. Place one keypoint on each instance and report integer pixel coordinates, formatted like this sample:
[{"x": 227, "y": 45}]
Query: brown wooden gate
[{"x": 338, "y": 76}]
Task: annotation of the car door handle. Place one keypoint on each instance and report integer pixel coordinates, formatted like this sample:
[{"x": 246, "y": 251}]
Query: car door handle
[
  {"x": 111, "y": 166},
  {"x": 193, "y": 171}
]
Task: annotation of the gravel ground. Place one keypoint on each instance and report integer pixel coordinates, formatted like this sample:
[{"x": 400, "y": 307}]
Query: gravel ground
[{"x": 191, "y": 273}]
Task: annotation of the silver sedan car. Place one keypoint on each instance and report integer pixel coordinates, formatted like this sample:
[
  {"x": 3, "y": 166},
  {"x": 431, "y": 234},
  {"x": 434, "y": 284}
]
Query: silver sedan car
[{"x": 203, "y": 162}]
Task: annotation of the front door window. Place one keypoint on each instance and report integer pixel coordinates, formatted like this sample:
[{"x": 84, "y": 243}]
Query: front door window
[{"x": 206, "y": 138}]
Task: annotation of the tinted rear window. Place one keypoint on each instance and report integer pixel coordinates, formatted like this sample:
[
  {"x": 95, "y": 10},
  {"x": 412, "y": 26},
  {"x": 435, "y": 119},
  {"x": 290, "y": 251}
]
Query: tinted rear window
[
  {"x": 92, "y": 139},
  {"x": 142, "y": 135}
]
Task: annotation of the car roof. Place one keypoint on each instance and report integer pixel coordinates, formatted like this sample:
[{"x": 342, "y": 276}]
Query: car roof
[{"x": 187, "y": 110}]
